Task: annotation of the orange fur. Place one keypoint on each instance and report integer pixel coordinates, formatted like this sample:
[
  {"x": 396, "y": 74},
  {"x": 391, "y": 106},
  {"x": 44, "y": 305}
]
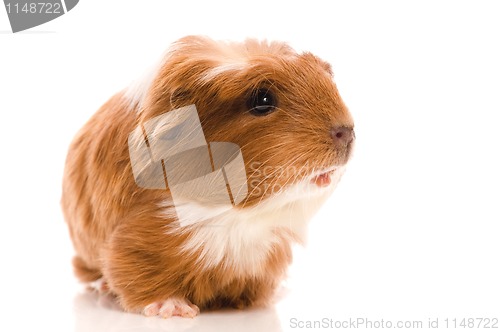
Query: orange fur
[{"x": 120, "y": 231}]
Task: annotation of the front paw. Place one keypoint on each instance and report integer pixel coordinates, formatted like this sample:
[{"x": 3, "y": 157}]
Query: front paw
[{"x": 172, "y": 307}]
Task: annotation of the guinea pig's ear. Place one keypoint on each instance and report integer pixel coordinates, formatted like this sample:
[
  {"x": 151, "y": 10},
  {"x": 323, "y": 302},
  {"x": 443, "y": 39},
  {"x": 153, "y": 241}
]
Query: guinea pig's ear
[
  {"x": 309, "y": 57},
  {"x": 180, "y": 97},
  {"x": 327, "y": 67}
]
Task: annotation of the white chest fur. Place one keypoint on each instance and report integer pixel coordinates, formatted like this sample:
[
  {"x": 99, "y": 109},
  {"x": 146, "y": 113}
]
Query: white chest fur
[{"x": 243, "y": 238}]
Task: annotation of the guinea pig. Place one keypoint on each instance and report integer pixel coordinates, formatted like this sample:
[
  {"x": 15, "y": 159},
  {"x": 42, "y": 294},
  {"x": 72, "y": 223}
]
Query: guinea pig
[{"x": 293, "y": 133}]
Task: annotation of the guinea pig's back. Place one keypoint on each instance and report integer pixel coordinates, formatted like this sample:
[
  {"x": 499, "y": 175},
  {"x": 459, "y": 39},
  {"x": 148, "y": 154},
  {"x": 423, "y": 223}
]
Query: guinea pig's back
[{"x": 96, "y": 183}]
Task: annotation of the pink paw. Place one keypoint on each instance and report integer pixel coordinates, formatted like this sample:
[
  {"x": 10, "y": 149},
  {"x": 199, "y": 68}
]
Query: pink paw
[
  {"x": 171, "y": 307},
  {"x": 99, "y": 285}
]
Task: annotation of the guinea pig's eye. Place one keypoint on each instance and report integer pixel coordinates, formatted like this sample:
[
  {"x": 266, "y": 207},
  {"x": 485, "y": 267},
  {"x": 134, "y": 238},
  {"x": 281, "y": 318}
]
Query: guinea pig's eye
[{"x": 262, "y": 102}]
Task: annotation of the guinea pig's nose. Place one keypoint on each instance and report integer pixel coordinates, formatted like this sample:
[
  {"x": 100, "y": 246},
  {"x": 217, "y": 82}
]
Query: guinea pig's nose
[{"x": 342, "y": 136}]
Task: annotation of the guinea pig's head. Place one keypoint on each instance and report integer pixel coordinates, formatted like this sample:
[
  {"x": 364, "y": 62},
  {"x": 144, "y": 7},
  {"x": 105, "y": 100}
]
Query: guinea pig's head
[{"x": 280, "y": 107}]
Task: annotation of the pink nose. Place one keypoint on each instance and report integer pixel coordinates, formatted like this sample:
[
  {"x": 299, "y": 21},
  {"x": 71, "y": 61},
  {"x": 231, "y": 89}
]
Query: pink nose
[{"x": 342, "y": 136}]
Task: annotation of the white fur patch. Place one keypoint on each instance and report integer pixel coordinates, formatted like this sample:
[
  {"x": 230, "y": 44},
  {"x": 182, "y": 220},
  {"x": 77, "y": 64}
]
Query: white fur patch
[
  {"x": 243, "y": 238},
  {"x": 138, "y": 89},
  {"x": 222, "y": 68}
]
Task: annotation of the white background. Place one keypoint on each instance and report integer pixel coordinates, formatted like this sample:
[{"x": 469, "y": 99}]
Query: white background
[{"x": 412, "y": 232}]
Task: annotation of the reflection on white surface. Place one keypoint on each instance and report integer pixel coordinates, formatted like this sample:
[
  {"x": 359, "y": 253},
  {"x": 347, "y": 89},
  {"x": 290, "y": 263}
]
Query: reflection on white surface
[{"x": 101, "y": 314}]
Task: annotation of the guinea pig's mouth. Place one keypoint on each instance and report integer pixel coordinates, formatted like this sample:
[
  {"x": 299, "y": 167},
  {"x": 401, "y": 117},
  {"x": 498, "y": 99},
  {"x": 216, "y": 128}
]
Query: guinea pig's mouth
[{"x": 323, "y": 179}]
